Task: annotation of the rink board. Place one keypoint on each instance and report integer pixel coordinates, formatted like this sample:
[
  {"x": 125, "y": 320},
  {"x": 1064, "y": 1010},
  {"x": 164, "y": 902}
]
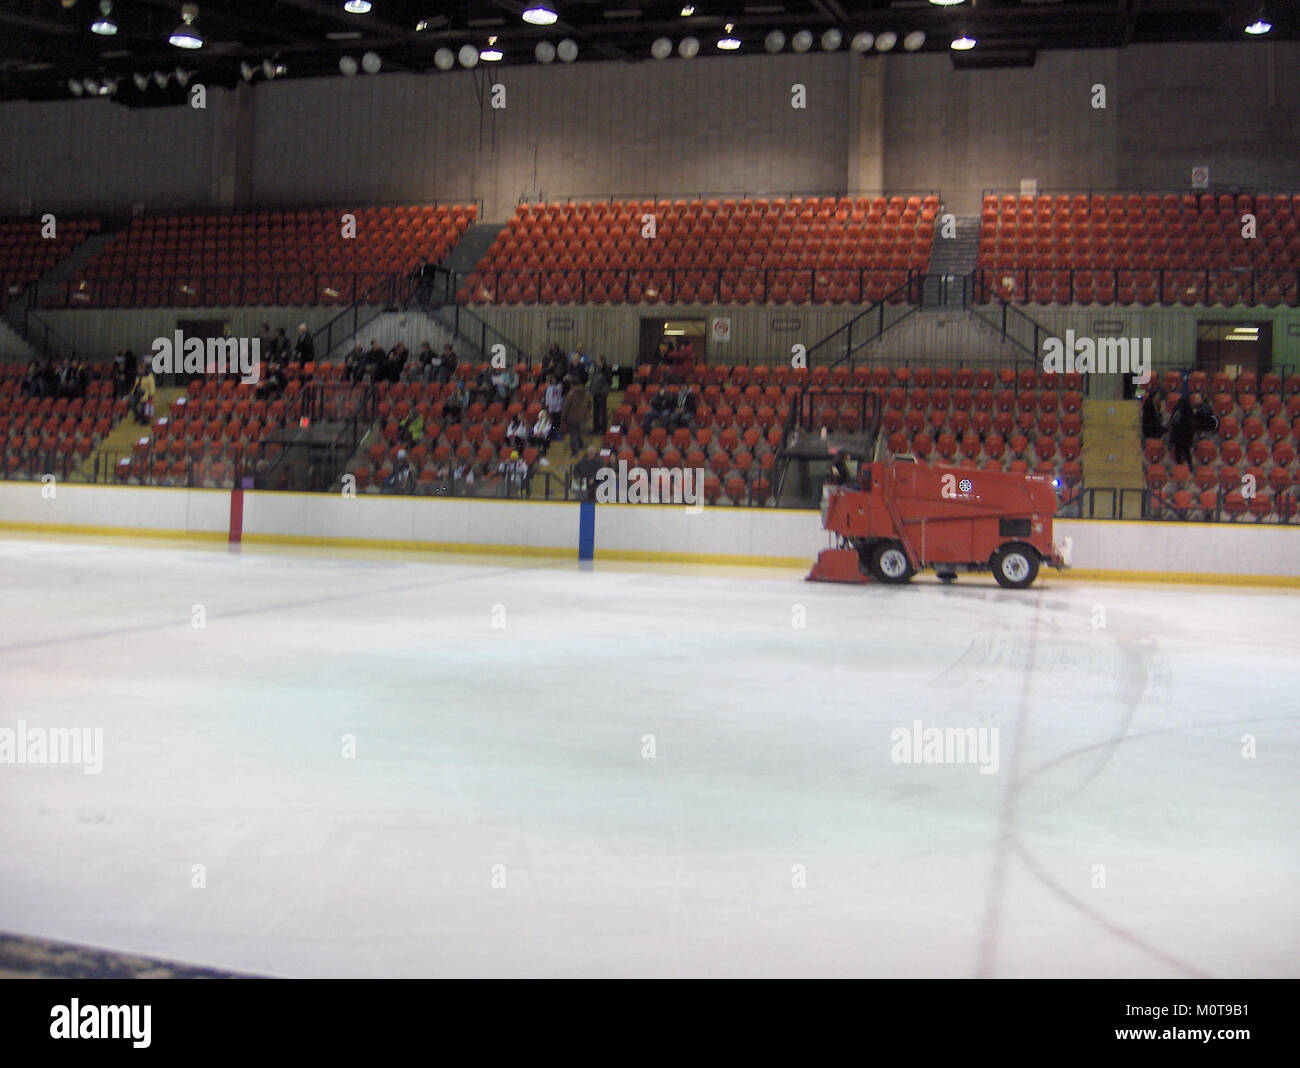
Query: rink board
[{"x": 1245, "y": 553}]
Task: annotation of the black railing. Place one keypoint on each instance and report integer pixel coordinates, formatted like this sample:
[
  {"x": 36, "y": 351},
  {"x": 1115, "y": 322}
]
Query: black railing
[
  {"x": 200, "y": 290},
  {"x": 669, "y": 285},
  {"x": 1200, "y": 195},
  {"x": 706, "y": 195},
  {"x": 1138, "y": 285},
  {"x": 388, "y": 290},
  {"x": 867, "y": 326}
]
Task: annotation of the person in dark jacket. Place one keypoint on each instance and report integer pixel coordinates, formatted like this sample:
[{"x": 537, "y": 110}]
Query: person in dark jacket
[
  {"x": 601, "y": 380},
  {"x": 1182, "y": 430},
  {"x": 304, "y": 348},
  {"x": 683, "y": 413},
  {"x": 1152, "y": 426}
]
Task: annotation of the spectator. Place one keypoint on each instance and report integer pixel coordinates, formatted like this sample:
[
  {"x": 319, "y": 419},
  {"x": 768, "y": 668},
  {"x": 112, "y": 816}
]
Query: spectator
[
  {"x": 375, "y": 360},
  {"x": 31, "y": 383},
  {"x": 411, "y": 429},
  {"x": 577, "y": 370},
  {"x": 541, "y": 434},
  {"x": 517, "y": 431},
  {"x": 455, "y": 403},
  {"x": 395, "y": 363},
  {"x": 576, "y": 409},
  {"x": 586, "y": 472},
  {"x": 553, "y": 400},
  {"x": 402, "y": 478},
  {"x": 1182, "y": 429},
  {"x": 266, "y": 340},
  {"x": 601, "y": 380},
  {"x": 583, "y": 359},
  {"x": 428, "y": 361},
  {"x": 662, "y": 406},
  {"x": 505, "y": 384},
  {"x": 515, "y": 473},
  {"x": 146, "y": 386},
  {"x": 274, "y": 383},
  {"x": 1152, "y": 427},
  {"x": 354, "y": 364},
  {"x": 553, "y": 362},
  {"x": 449, "y": 362},
  {"x": 81, "y": 378},
  {"x": 683, "y": 413},
  {"x": 281, "y": 347},
  {"x": 304, "y": 349},
  {"x": 129, "y": 367}
]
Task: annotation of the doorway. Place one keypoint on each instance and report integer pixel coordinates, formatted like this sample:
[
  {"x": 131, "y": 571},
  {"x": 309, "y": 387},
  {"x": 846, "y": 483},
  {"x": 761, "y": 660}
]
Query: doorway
[
  {"x": 1234, "y": 346},
  {"x": 673, "y": 331}
]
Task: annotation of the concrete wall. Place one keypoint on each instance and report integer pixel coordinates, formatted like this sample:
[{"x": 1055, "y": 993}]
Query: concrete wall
[
  {"x": 907, "y": 122},
  {"x": 1191, "y": 552},
  {"x": 590, "y": 129}
]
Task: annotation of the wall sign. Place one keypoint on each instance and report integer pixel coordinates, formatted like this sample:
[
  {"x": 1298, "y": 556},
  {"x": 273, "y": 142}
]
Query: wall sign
[{"x": 721, "y": 330}]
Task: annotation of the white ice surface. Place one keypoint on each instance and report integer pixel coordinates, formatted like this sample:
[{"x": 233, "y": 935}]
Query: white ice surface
[{"x": 521, "y": 746}]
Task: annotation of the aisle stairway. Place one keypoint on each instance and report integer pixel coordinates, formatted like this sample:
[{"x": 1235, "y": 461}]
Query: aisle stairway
[{"x": 1112, "y": 457}]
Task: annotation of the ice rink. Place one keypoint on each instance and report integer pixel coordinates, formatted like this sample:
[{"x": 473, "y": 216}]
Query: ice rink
[{"x": 399, "y": 765}]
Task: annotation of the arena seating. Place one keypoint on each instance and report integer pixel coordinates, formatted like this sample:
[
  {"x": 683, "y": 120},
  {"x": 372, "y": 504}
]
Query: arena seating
[
  {"x": 219, "y": 430},
  {"x": 1258, "y": 436},
  {"x": 762, "y": 251},
  {"x": 985, "y": 419},
  {"x": 25, "y": 254},
  {"x": 261, "y": 258},
  {"x": 48, "y": 435},
  {"x": 1140, "y": 249}
]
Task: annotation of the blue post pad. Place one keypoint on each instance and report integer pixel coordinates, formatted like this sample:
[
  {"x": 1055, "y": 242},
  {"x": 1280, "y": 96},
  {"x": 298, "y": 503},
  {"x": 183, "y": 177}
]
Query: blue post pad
[{"x": 587, "y": 530}]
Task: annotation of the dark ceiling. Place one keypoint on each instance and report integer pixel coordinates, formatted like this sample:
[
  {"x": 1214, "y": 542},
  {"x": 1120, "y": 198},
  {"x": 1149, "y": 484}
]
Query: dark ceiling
[{"x": 44, "y": 43}]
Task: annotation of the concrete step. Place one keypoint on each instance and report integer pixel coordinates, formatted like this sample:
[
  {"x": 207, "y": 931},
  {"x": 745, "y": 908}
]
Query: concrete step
[
  {"x": 1112, "y": 454},
  {"x": 472, "y": 247}
]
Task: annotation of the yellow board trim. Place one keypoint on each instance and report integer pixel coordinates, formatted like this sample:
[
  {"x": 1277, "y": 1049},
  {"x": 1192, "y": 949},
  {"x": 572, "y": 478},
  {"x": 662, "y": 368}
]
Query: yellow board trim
[{"x": 114, "y": 532}]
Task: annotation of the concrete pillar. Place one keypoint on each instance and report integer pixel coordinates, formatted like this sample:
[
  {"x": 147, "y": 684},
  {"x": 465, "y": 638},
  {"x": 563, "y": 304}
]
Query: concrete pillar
[{"x": 866, "y": 123}]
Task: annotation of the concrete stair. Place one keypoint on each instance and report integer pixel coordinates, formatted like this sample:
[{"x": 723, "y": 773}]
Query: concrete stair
[
  {"x": 953, "y": 258},
  {"x": 1112, "y": 458},
  {"x": 122, "y": 438}
]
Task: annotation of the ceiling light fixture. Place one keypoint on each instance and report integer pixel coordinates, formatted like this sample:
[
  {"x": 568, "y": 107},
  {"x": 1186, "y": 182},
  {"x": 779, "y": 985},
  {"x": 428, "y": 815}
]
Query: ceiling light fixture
[
  {"x": 468, "y": 56},
  {"x": 1259, "y": 27},
  {"x": 945, "y": 3},
  {"x": 186, "y": 35},
  {"x": 662, "y": 48},
  {"x": 688, "y": 10},
  {"x": 75, "y": 87},
  {"x": 689, "y": 47},
  {"x": 545, "y": 52},
  {"x": 862, "y": 42},
  {"x": 801, "y": 41},
  {"x": 104, "y": 25},
  {"x": 964, "y": 43},
  {"x": 729, "y": 43},
  {"x": 358, "y": 7},
  {"x": 347, "y": 66},
  {"x": 774, "y": 41},
  {"x": 832, "y": 39},
  {"x": 491, "y": 54},
  {"x": 540, "y": 15},
  {"x": 914, "y": 40},
  {"x": 370, "y": 63},
  {"x": 567, "y": 50}
]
